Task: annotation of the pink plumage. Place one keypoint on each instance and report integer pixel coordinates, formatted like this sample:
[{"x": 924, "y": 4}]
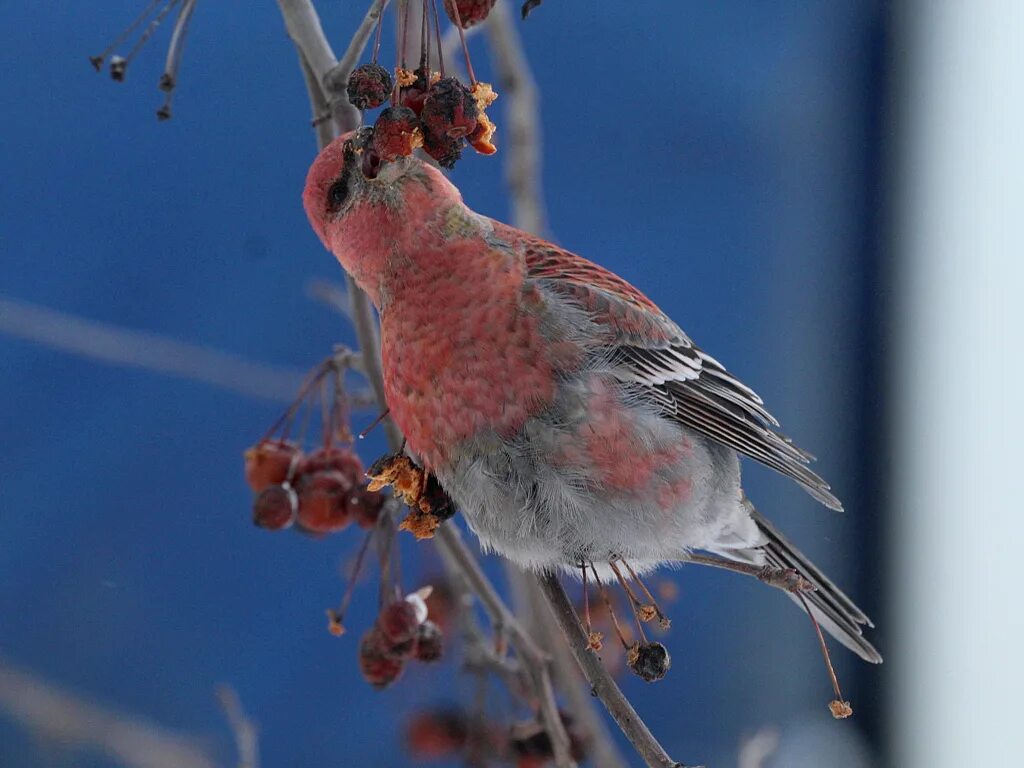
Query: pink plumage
[{"x": 568, "y": 417}]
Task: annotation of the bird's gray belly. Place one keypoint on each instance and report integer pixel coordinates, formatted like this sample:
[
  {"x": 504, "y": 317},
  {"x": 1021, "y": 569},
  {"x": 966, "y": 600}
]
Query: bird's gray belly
[{"x": 553, "y": 496}]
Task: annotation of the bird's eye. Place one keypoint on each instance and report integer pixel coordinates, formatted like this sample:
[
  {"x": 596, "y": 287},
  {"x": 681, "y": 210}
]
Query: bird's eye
[{"x": 338, "y": 192}]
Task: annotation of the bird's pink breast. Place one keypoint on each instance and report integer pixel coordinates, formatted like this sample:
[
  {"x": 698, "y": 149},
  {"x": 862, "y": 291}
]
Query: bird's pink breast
[{"x": 462, "y": 350}]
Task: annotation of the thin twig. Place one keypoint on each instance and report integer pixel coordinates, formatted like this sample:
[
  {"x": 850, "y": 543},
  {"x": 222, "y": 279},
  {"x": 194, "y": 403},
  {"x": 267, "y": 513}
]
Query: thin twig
[
  {"x": 601, "y": 682},
  {"x": 242, "y": 728},
  {"x": 150, "y": 351},
  {"x": 57, "y": 715}
]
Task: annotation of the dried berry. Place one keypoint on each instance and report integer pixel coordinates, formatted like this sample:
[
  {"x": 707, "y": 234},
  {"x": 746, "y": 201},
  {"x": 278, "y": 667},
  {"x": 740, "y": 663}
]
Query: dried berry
[
  {"x": 398, "y": 621},
  {"x": 429, "y": 642},
  {"x": 364, "y": 507},
  {"x": 269, "y": 462},
  {"x": 450, "y": 109},
  {"x": 396, "y": 133},
  {"x": 369, "y": 86},
  {"x": 444, "y": 149},
  {"x": 322, "y": 502},
  {"x": 378, "y": 668},
  {"x": 275, "y": 507},
  {"x": 470, "y": 12},
  {"x": 649, "y": 660}
]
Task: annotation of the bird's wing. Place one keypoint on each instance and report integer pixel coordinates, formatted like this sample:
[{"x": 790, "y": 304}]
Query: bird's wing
[{"x": 683, "y": 381}]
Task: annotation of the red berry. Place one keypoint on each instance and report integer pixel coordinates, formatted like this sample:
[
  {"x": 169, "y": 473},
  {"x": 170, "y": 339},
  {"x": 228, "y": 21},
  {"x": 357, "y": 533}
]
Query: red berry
[
  {"x": 431, "y": 735},
  {"x": 378, "y": 668},
  {"x": 343, "y": 460},
  {"x": 429, "y": 642},
  {"x": 364, "y": 507},
  {"x": 369, "y": 86},
  {"x": 470, "y": 11},
  {"x": 275, "y": 507},
  {"x": 322, "y": 502},
  {"x": 396, "y": 133},
  {"x": 450, "y": 109},
  {"x": 268, "y": 463},
  {"x": 398, "y": 621}
]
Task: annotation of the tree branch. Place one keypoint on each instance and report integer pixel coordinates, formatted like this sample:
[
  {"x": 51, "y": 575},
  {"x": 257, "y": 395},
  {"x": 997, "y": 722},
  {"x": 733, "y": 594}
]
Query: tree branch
[
  {"x": 601, "y": 682},
  {"x": 150, "y": 351}
]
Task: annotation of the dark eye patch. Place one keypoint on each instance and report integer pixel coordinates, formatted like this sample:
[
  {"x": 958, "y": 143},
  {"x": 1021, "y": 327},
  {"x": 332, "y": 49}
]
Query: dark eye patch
[{"x": 338, "y": 191}]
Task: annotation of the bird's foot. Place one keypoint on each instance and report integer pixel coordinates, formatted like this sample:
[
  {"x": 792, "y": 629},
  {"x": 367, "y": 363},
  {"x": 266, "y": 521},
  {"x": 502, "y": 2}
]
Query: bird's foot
[
  {"x": 786, "y": 579},
  {"x": 429, "y": 505}
]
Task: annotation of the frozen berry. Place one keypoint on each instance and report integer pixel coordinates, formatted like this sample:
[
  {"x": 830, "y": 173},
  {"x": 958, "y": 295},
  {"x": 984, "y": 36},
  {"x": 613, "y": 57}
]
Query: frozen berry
[
  {"x": 275, "y": 507},
  {"x": 364, "y": 507},
  {"x": 649, "y": 660},
  {"x": 431, "y": 735},
  {"x": 369, "y": 86},
  {"x": 444, "y": 149},
  {"x": 450, "y": 109},
  {"x": 398, "y": 621},
  {"x": 269, "y": 462},
  {"x": 396, "y": 133},
  {"x": 322, "y": 502},
  {"x": 470, "y": 12},
  {"x": 378, "y": 668},
  {"x": 429, "y": 642}
]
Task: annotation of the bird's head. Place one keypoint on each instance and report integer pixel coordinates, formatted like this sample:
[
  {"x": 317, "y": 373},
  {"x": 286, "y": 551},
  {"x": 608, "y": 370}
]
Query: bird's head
[{"x": 363, "y": 209}]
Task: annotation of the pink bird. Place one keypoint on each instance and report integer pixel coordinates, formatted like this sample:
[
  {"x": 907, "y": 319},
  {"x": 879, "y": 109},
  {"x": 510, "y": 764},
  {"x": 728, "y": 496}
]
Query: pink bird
[{"x": 566, "y": 415}]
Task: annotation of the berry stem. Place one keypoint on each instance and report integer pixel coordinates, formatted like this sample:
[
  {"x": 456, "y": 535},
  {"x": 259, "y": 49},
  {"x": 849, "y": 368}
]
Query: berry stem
[
  {"x": 633, "y": 602},
  {"x": 465, "y": 48},
  {"x": 97, "y": 61},
  {"x": 437, "y": 31},
  {"x": 608, "y": 606}
]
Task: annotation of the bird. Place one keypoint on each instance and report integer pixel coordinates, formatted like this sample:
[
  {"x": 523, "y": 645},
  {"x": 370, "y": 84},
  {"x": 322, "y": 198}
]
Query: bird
[{"x": 568, "y": 417}]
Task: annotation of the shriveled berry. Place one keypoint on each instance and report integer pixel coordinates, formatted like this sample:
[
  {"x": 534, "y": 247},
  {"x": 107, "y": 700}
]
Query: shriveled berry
[
  {"x": 364, "y": 507},
  {"x": 269, "y": 462},
  {"x": 275, "y": 507},
  {"x": 481, "y": 139},
  {"x": 435, "y": 734},
  {"x": 379, "y": 669},
  {"x": 322, "y": 502},
  {"x": 649, "y": 660},
  {"x": 398, "y": 621},
  {"x": 450, "y": 109},
  {"x": 369, "y": 86},
  {"x": 429, "y": 642},
  {"x": 444, "y": 149},
  {"x": 470, "y": 12},
  {"x": 396, "y": 133}
]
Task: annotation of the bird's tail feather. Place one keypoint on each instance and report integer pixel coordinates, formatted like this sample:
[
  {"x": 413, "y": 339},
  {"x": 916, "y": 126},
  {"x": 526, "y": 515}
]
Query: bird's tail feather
[{"x": 836, "y": 613}]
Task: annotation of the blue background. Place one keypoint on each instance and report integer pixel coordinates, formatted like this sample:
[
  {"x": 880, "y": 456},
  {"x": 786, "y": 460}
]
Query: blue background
[{"x": 724, "y": 157}]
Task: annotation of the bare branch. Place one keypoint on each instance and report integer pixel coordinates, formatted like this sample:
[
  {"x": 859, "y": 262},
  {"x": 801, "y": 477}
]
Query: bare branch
[
  {"x": 601, "y": 682},
  {"x": 756, "y": 750},
  {"x": 122, "y": 346},
  {"x": 242, "y": 728},
  {"x": 522, "y": 116},
  {"x": 59, "y": 716}
]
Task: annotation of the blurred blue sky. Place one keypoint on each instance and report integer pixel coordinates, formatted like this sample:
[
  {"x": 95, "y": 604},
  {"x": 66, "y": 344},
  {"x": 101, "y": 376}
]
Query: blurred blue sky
[{"x": 721, "y": 156}]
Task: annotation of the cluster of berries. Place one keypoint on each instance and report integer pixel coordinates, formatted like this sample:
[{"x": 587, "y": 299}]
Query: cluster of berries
[
  {"x": 321, "y": 492},
  {"x": 444, "y": 733},
  {"x": 439, "y": 114},
  {"x": 402, "y": 632}
]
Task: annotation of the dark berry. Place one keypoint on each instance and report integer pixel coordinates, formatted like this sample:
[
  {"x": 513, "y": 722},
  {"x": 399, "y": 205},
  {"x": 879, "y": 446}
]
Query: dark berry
[
  {"x": 322, "y": 502},
  {"x": 649, "y": 660},
  {"x": 450, "y": 109},
  {"x": 275, "y": 507},
  {"x": 396, "y": 133},
  {"x": 444, "y": 149},
  {"x": 398, "y": 621},
  {"x": 378, "y": 668},
  {"x": 364, "y": 507},
  {"x": 470, "y": 11},
  {"x": 269, "y": 462},
  {"x": 429, "y": 642},
  {"x": 432, "y": 735},
  {"x": 369, "y": 86},
  {"x": 339, "y": 459}
]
